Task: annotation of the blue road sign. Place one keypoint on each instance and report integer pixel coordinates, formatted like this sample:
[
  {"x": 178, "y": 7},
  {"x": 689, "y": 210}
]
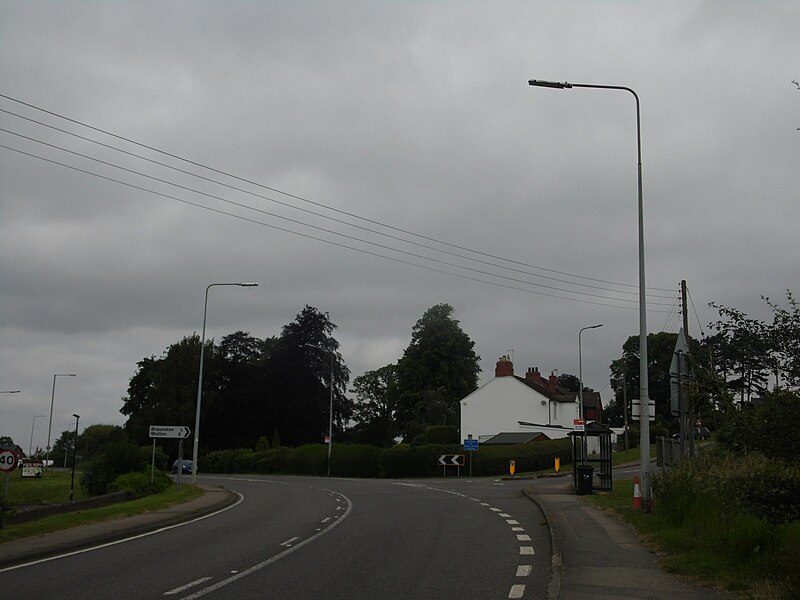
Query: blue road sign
[{"x": 471, "y": 445}]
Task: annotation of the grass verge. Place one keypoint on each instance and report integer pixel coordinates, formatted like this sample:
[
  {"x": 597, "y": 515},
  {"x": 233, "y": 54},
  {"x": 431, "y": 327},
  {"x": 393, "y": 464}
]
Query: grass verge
[
  {"x": 691, "y": 549},
  {"x": 159, "y": 501}
]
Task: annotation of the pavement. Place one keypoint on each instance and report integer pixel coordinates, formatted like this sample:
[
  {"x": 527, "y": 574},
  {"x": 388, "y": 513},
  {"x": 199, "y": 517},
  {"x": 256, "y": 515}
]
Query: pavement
[
  {"x": 599, "y": 557},
  {"x": 77, "y": 538}
]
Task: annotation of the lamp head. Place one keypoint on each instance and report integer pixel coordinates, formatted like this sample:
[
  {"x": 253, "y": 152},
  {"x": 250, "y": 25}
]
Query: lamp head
[
  {"x": 248, "y": 285},
  {"x": 549, "y": 84},
  {"x": 76, "y": 416}
]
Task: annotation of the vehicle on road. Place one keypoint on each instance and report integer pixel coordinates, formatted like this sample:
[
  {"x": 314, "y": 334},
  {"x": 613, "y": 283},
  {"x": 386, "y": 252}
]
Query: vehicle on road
[{"x": 186, "y": 468}]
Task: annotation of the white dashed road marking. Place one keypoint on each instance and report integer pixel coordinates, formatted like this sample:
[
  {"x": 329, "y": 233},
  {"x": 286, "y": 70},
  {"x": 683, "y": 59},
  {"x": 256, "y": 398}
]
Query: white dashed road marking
[
  {"x": 524, "y": 570},
  {"x": 189, "y": 585},
  {"x": 516, "y": 591}
]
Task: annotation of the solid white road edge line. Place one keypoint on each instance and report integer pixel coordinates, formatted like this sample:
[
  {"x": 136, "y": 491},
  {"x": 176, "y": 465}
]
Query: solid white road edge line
[
  {"x": 269, "y": 561},
  {"x": 124, "y": 540}
]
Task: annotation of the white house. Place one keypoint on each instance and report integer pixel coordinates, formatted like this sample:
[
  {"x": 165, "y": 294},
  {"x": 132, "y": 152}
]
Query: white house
[{"x": 503, "y": 404}]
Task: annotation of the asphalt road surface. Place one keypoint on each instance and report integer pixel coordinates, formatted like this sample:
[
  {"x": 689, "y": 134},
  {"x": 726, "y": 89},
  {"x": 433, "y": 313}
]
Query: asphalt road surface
[{"x": 313, "y": 538}]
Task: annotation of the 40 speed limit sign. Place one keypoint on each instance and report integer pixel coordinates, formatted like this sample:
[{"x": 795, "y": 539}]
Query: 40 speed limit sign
[{"x": 8, "y": 461}]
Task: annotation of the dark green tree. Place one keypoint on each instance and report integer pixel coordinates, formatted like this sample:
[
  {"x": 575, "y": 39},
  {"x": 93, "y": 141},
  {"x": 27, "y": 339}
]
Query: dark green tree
[
  {"x": 373, "y": 411},
  {"x": 304, "y": 369},
  {"x": 438, "y": 368},
  {"x": 569, "y": 382},
  {"x": 163, "y": 391}
]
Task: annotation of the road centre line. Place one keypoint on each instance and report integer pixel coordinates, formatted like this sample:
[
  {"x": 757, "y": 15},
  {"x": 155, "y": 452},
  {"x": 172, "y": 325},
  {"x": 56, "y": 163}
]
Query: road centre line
[
  {"x": 517, "y": 591},
  {"x": 526, "y": 550},
  {"x": 290, "y": 541},
  {"x": 512, "y": 522},
  {"x": 273, "y": 559},
  {"x": 189, "y": 585},
  {"x": 523, "y": 537},
  {"x": 517, "y": 529}
]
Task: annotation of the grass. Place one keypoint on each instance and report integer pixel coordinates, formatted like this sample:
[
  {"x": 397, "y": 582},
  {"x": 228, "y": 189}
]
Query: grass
[
  {"x": 690, "y": 551},
  {"x": 53, "y": 488}
]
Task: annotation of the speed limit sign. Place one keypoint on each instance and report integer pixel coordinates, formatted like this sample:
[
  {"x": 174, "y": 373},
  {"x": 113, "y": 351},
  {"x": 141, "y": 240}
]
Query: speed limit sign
[{"x": 8, "y": 461}]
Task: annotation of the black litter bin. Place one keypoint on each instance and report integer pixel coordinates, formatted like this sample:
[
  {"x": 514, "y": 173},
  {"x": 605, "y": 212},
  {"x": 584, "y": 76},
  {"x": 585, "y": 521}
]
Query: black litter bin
[{"x": 585, "y": 475}]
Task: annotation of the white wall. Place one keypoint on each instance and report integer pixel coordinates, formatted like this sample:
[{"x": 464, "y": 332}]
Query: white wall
[{"x": 497, "y": 406}]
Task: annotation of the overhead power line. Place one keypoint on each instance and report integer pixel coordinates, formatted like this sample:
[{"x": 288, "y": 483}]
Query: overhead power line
[{"x": 348, "y": 237}]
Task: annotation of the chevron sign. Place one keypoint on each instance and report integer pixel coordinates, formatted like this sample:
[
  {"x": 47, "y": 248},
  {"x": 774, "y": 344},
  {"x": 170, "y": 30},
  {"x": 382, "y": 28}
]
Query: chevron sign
[{"x": 451, "y": 460}]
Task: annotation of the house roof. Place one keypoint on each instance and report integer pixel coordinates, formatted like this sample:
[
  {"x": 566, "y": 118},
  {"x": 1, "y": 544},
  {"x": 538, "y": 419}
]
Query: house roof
[
  {"x": 521, "y": 437},
  {"x": 561, "y": 394}
]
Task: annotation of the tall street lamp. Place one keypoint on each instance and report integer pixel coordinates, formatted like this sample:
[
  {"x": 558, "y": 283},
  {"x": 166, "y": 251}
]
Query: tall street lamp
[
  {"x": 74, "y": 458},
  {"x": 200, "y": 376},
  {"x": 50, "y": 425},
  {"x": 330, "y": 416},
  {"x": 30, "y": 446},
  {"x": 643, "y": 383}
]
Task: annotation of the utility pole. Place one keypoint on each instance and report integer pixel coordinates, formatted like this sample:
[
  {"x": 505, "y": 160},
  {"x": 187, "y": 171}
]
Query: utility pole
[{"x": 689, "y": 407}]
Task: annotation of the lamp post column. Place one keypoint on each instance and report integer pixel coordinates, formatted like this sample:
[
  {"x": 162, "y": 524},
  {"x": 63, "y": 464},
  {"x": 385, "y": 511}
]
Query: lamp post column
[
  {"x": 580, "y": 389},
  {"x": 50, "y": 425},
  {"x": 644, "y": 396},
  {"x": 196, "y": 444}
]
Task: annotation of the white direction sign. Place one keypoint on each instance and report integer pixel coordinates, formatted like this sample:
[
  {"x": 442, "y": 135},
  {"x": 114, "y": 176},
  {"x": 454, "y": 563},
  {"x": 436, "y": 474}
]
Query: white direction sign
[{"x": 175, "y": 432}]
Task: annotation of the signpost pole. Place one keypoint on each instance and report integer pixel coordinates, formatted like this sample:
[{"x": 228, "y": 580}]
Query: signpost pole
[{"x": 153, "y": 463}]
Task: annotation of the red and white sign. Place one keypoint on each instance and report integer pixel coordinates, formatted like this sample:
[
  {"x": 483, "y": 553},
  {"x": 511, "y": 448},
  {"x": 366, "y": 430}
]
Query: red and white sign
[
  {"x": 327, "y": 440},
  {"x": 579, "y": 425},
  {"x": 8, "y": 461}
]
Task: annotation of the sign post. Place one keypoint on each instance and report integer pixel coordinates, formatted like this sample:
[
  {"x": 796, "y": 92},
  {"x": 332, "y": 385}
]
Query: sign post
[
  {"x": 8, "y": 462},
  {"x": 451, "y": 460},
  {"x": 470, "y": 446},
  {"x": 173, "y": 432}
]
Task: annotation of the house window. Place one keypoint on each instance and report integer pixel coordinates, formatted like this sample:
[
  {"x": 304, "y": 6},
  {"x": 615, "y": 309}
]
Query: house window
[{"x": 555, "y": 410}]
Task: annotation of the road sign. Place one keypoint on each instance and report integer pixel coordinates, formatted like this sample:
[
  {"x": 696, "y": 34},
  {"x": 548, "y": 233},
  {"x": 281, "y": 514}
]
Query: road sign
[
  {"x": 636, "y": 410},
  {"x": 579, "y": 425},
  {"x": 175, "y": 432},
  {"x": 471, "y": 445},
  {"x": 451, "y": 460},
  {"x": 8, "y": 460}
]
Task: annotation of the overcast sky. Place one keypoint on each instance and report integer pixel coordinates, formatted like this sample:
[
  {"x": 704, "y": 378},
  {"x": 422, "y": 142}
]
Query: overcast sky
[{"x": 420, "y": 168}]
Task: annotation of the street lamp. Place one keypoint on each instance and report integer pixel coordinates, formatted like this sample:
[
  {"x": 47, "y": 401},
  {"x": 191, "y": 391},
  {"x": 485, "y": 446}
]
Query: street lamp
[
  {"x": 643, "y": 383},
  {"x": 10, "y": 391},
  {"x": 200, "y": 376},
  {"x": 30, "y": 446},
  {"x": 50, "y": 426},
  {"x": 74, "y": 458}
]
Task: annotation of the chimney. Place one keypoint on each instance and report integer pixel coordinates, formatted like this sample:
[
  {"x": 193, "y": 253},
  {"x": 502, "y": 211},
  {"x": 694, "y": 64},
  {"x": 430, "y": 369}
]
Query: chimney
[
  {"x": 534, "y": 376},
  {"x": 552, "y": 382},
  {"x": 504, "y": 367}
]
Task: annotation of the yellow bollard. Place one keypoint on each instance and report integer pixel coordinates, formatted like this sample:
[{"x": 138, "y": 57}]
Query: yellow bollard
[
  {"x": 512, "y": 467},
  {"x": 558, "y": 464}
]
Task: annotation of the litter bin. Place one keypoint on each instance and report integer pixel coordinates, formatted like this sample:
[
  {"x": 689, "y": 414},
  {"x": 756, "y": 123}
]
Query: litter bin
[{"x": 585, "y": 475}]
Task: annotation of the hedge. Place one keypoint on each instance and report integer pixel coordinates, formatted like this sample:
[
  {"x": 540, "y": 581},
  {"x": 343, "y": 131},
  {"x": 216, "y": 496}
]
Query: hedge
[{"x": 361, "y": 460}]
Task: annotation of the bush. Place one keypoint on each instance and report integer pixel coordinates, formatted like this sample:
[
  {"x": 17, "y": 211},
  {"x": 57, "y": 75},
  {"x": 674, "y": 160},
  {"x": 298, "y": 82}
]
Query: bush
[
  {"x": 138, "y": 485},
  {"x": 441, "y": 434},
  {"x": 117, "y": 459}
]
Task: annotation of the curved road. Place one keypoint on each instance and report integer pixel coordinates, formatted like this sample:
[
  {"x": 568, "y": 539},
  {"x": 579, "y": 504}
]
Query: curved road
[{"x": 311, "y": 538}]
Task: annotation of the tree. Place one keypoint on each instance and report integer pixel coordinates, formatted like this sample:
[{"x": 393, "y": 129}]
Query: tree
[
  {"x": 438, "y": 368},
  {"x": 306, "y": 368},
  {"x": 569, "y": 382},
  {"x": 373, "y": 410},
  {"x": 163, "y": 391}
]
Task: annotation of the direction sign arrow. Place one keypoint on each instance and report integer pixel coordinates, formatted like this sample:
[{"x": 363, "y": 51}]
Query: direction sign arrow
[
  {"x": 175, "y": 432},
  {"x": 451, "y": 460}
]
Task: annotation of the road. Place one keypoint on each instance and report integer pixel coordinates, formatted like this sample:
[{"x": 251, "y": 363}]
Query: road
[{"x": 311, "y": 538}]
